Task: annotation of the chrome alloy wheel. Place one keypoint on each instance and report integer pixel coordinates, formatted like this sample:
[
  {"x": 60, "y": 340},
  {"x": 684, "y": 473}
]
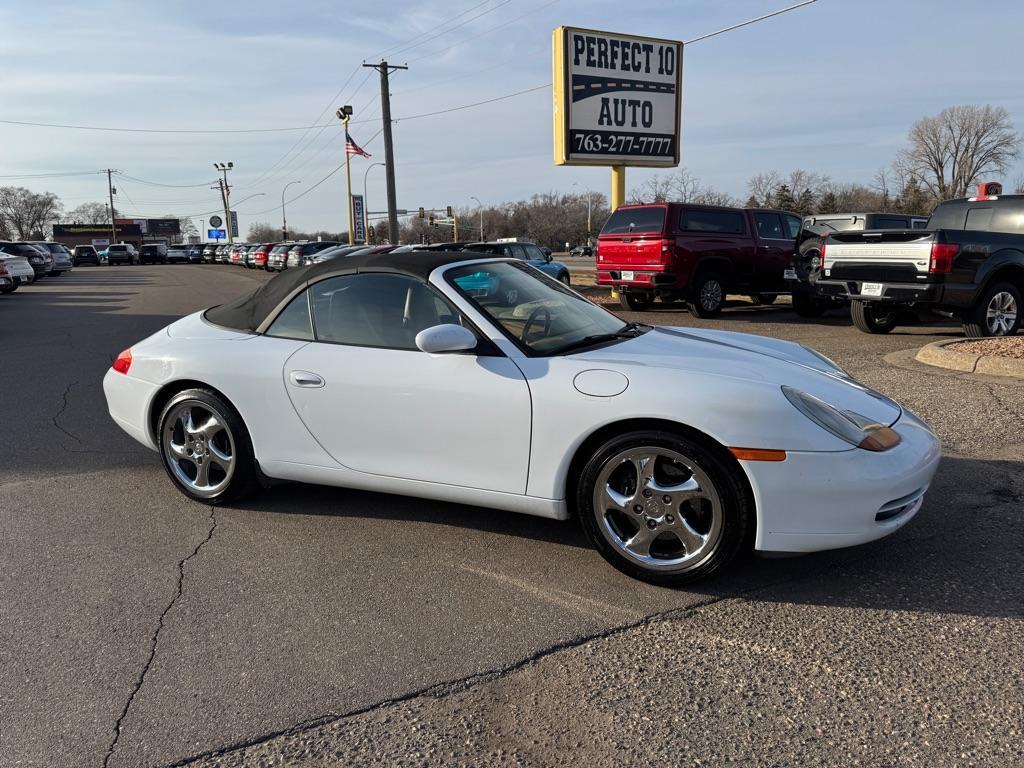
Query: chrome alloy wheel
[
  {"x": 1001, "y": 315},
  {"x": 711, "y": 295},
  {"x": 199, "y": 448},
  {"x": 658, "y": 508}
]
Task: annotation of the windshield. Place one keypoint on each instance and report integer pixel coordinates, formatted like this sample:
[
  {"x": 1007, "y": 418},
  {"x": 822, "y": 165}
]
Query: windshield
[{"x": 538, "y": 313}]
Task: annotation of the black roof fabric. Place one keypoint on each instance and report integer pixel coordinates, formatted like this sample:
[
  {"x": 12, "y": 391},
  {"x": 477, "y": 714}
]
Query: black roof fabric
[{"x": 249, "y": 312}]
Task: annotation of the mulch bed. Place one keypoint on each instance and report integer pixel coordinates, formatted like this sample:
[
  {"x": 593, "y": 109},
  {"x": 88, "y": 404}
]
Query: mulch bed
[{"x": 1010, "y": 346}]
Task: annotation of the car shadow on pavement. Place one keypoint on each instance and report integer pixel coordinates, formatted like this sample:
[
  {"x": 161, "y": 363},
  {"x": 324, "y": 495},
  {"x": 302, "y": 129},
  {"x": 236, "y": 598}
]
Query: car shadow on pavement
[{"x": 962, "y": 553}]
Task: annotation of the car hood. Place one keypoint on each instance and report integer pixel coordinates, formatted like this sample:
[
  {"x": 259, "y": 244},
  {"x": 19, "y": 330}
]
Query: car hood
[{"x": 741, "y": 356}]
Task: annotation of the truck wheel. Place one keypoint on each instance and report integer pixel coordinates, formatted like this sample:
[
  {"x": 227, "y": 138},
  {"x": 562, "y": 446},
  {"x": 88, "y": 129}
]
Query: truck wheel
[
  {"x": 634, "y": 302},
  {"x": 870, "y": 318},
  {"x": 997, "y": 314},
  {"x": 808, "y": 306},
  {"x": 708, "y": 296}
]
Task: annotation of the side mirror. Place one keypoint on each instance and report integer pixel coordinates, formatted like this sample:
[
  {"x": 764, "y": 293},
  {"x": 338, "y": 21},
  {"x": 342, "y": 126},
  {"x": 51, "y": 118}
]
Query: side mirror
[
  {"x": 547, "y": 257},
  {"x": 446, "y": 338}
]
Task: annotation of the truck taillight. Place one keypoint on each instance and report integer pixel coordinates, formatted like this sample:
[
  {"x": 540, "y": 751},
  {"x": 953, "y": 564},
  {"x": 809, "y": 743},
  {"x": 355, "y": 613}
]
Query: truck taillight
[
  {"x": 941, "y": 261},
  {"x": 824, "y": 244},
  {"x": 666, "y": 247}
]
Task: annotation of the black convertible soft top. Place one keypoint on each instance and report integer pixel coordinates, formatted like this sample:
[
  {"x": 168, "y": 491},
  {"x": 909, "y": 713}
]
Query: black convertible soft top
[{"x": 249, "y": 312}]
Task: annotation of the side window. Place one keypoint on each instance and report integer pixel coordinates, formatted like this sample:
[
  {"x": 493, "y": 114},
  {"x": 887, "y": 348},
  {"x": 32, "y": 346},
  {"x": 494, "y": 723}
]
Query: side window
[
  {"x": 720, "y": 222},
  {"x": 891, "y": 222},
  {"x": 769, "y": 226},
  {"x": 294, "y": 321},
  {"x": 376, "y": 310},
  {"x": 517, "y": 251},
  {"x": 979, "y": 219},
  {"x": 793, "y": 226},
  {"x": 534, "y": 253}
]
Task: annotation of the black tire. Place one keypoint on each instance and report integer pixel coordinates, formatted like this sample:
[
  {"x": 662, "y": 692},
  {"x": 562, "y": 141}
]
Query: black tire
[
  {"x": 708, "y": 295},
  {"x": 809, "y": 306},
  {"x": 242, "y": 478},
  {"x": 9, "y": 288},
  {"x": 724, "y": 539},
  {"x": 871, "y": 317},
  {"x": 564, "y": 278},
  {"x": 976, "y": 321},
  {"x": 634, "y": 302},
  {"x": 763, "y": 299}
]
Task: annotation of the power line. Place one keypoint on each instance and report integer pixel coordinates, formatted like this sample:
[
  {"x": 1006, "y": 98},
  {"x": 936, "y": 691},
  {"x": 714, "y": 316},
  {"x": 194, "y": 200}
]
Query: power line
[
  {"x": 451, "y": 29},
  {"x": 750, "y": 21},
  {"x": 392, "y": 49},
  {"x": 52, "y": 175},
  {"x": 474, "y": 104},
  {"x": 160, "y": 184}
]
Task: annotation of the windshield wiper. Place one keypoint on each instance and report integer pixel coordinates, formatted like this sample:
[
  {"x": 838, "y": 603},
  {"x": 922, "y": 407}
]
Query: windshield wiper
[{"x": 628, "y": 331}]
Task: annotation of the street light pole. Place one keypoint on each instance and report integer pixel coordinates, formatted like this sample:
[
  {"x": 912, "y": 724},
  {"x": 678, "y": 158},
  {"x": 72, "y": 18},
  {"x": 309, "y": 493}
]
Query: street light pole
[
  {"x": 590, "y": 198},
  {"x": 284, "y": 217},
  {"x": 481, "y": 207}
]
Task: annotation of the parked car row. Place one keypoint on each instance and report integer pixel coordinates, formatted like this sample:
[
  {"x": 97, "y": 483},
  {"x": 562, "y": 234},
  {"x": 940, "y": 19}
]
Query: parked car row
[
  {"x": 966, "y": 261},
  {"x": 25, "y": 262}
]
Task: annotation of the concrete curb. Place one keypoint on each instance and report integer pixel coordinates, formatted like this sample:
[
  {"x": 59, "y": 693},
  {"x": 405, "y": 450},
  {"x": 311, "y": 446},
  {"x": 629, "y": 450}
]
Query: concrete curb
[{"x": 939, "y": 354}]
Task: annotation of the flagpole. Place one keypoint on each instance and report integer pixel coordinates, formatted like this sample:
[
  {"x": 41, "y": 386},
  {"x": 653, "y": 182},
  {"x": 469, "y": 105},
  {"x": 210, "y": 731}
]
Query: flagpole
[{"x": 345, "y": 113}]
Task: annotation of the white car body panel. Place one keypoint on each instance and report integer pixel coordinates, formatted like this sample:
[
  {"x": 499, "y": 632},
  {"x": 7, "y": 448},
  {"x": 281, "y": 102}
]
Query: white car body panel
[
  {"x": 18, "y": 267},
  {"x": 502, "y": 432}
]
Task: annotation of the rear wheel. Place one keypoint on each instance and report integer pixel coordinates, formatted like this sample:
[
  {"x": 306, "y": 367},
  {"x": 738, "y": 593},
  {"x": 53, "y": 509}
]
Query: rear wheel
[
  {"x": 662, "y": 507},
  {"x": 634, "y": 302},
  {"x": 872, "y": 317},
  {"x": 708, "y": 295},
  {"x": 10, "y": 288},
  {"x": 997, "y": 314},
  {"x": 806, "y": 305},
  {"x": 205, "y": 447}
]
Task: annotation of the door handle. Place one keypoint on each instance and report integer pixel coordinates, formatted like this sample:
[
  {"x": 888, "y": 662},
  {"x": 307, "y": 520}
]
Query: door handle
[{"x": 305, "y": 379}]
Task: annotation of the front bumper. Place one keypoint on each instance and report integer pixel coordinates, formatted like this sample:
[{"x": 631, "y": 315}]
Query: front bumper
[
  {"x": 816, "y": 501},
  {"x": 903, "y": 293}
]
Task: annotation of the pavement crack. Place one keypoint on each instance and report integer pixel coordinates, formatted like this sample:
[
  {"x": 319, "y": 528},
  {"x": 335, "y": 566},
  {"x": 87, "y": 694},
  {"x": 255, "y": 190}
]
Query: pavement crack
[
  {"x": 60, "y": 412},
  {"x": 155, "y": 639},
  {"x": 447, "y": 688}
]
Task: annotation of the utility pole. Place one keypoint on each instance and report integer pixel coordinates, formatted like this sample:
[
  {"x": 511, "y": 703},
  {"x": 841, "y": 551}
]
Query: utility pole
[
  {"x": 225, "y": 193},
  {"x": 345, "y": 114},
  {"x": 389, "y": 154},
  {"x": 110, "y": 192}
]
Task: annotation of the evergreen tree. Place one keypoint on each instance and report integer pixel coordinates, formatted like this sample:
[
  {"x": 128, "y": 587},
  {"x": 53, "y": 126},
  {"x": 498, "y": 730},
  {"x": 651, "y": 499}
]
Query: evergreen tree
[
  {"x": 805, "y": 204},
  {"x": 783, "y": 199},
  {"x": 828, "y": 203}
]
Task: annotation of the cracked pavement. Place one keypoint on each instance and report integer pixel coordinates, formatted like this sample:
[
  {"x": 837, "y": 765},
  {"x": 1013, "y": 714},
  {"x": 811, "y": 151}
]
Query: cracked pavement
[{"x": 314, "y": 626}]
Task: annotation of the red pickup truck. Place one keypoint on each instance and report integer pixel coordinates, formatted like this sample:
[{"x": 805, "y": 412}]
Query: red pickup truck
[{"x": 697, "y": 253}]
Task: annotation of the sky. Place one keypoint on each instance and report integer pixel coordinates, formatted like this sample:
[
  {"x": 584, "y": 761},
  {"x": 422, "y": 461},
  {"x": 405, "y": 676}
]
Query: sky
[{"x": 832, "y": 87}]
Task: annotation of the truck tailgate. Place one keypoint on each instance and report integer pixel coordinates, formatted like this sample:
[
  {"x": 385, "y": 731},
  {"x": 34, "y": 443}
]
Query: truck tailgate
[{"x": 898, "y": 256}]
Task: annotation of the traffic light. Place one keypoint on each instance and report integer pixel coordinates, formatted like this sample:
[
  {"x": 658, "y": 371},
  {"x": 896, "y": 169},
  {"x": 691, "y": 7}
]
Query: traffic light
[
  {"x": 431, "y": 221},
  {"x": 449, "y": 211},
  {"x": 422, "y": 214}
]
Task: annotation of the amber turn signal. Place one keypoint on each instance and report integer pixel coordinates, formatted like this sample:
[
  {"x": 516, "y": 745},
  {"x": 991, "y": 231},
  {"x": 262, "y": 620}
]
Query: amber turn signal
[
  {"x": 758, "y": 454},
  {"x": 881, "y": 439}
]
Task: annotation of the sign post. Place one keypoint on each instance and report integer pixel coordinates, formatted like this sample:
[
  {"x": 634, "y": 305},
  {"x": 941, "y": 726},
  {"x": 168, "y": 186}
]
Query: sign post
[{"x": 617, "y": 101}]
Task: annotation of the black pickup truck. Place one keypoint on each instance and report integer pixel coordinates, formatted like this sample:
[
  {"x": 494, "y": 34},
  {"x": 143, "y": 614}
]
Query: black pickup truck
[{"x": 967, "y": 263}]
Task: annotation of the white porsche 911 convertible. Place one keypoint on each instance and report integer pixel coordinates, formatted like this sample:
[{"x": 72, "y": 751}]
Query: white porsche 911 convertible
[{"x": 485, "y": 382}]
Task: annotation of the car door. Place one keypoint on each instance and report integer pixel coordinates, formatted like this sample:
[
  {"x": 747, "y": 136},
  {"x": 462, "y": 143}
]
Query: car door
[
  {"x": 774, "y": 250},
  {"x": 377, "y": 404}
]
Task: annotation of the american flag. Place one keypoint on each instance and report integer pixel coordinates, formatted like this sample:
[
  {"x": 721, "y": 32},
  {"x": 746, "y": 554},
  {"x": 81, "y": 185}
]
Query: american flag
[{"x": 351, "y": 148}]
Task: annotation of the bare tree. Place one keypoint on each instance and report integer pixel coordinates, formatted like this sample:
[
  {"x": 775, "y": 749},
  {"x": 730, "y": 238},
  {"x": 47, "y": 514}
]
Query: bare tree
[
  {"x": 954, "y": 149},
  {"x": 262, "y": 232},
  {"x": 26, "y": 214},
  {"x": 1018, "y": 186},
  {"x": 762, "y": 187},
  {"x": 681, "y": 186},
  {"x": 89, "y": 213}
]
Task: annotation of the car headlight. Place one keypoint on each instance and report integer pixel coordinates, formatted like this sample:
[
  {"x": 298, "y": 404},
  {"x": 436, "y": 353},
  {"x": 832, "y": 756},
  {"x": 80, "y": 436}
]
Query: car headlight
[{"x": 851, "y": 427}]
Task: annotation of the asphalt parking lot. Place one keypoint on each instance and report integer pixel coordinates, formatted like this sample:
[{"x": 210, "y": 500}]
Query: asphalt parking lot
[{"x": 320, "y": 626}]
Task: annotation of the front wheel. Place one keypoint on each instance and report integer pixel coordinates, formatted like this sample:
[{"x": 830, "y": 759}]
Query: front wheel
[
  {"x": 708, "y": 296},
  {"x": 634, "y": 302},
  {"x": 997, "y": 314},
  {"x": 206, "y": 448},
  {"x": 9, "y": 288},
  {"x": 564, "y": 278},
  {"x": 662, "y": 507},
  {"x": 872, "y": 317}
]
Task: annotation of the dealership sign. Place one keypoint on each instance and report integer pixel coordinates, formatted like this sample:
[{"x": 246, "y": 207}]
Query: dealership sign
[
  {"x": 358, "y": 219},
  {"x": 616, "y": 98}
]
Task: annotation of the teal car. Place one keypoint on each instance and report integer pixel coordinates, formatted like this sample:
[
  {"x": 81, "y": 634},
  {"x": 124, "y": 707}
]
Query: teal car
[{"x": 528, "y": 252}]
